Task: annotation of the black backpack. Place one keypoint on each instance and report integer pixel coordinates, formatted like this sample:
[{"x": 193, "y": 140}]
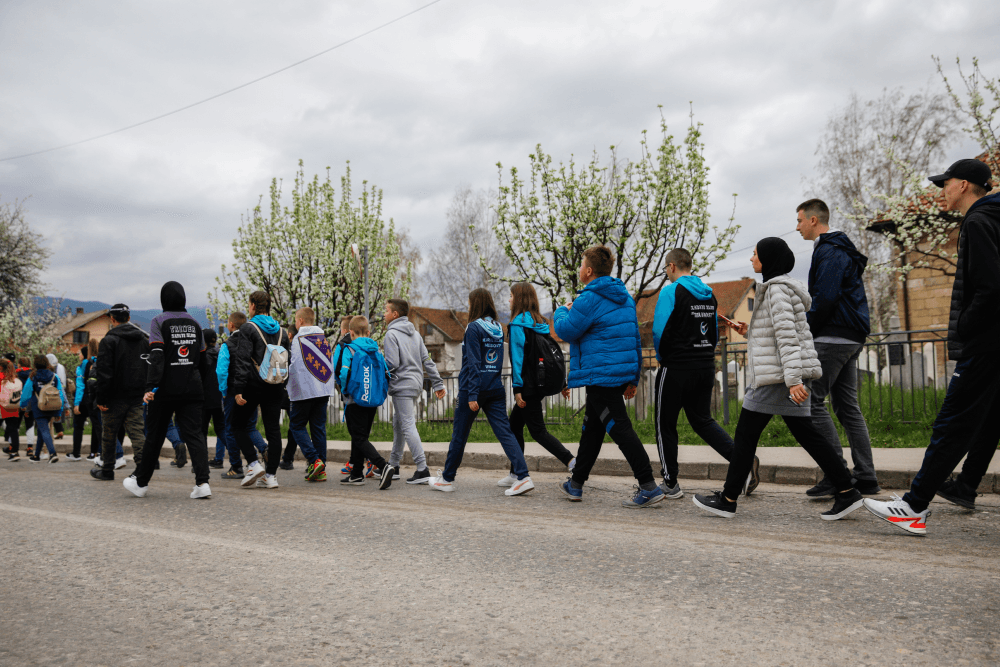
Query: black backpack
[
  {"x": 89, "y": 384},
  {"x": 543, "y": 369}
]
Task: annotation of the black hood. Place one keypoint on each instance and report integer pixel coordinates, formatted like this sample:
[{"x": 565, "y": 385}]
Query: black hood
[
  {"x": 844, "y": 242},
  {"x": 172, "y": 297},
  {"x": 128, "y": 331}
]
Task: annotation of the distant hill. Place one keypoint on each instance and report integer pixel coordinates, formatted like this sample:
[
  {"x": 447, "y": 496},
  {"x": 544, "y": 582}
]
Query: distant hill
[{"x": 140, "y": 317}]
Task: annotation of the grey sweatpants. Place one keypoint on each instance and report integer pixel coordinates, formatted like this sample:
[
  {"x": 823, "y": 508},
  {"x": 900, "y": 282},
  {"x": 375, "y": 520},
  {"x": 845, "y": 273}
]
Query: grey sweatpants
[{"x": 404, "y": 429}]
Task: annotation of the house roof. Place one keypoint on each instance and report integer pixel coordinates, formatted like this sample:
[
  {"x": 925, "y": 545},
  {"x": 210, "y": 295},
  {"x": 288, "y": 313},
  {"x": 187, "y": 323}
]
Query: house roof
[
  {"x": 730, "y": 294},
  {"x": 451, "y": 323},
  {"x": 74, "y": 322}
]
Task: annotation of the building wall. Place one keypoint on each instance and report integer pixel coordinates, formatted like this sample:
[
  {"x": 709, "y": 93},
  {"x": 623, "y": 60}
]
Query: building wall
[
  {"x": 743, "y": 314},
  {"x": 97, "y": 329},
  {"x": 926, "y": 301}
]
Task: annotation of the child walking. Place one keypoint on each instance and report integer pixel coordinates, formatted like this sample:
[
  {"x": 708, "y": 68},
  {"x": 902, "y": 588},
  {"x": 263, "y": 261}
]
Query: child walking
[
  {"x": 527, "y": 320},
  {"x": 309, "y": 388},
  {"x": 480, "y": 387},
  {"x": 40, "y": 397}
]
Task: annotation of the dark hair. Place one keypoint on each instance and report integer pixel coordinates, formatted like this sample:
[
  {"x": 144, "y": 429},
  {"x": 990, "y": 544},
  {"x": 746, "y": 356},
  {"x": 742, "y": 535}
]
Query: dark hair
[
  {"x": 481, "y": 304},
  {"x": 526, "y": 301},
  {"x": 92, "y": 347},
  {"x": 210, "y": 337},
  {"x": 680, "y": 258},
  {"x": 24, "y": 362},
  {"x": 7, "y": 369},
  {"x": 261, "y": 301},
  {"x": 41, "y": 363},
  {"x": 815, "y": 207},
  {"x": 399, "y": 306},
  {"x": 237, "y": 318},
  {"x": 978, "y": 190},
  {"x": 600, "y": 259},
  {"x": 120, "y": 313},
  {"x": 345, "y": 322}
]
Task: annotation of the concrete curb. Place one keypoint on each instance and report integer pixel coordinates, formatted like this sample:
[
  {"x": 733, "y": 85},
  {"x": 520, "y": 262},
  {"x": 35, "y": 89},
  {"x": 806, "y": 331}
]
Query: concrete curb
[{"x": 773, "y": 474}]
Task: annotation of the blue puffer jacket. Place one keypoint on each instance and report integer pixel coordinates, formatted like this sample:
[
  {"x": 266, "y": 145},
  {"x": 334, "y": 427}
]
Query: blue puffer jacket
[
  {"x": 603, "y": 331},
  {"x": 518, "y": 330}
]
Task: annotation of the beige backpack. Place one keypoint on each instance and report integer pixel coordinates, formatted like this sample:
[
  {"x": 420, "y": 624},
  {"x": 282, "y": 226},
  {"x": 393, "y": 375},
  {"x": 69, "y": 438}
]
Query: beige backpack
[{"x": 48, "y": 397}]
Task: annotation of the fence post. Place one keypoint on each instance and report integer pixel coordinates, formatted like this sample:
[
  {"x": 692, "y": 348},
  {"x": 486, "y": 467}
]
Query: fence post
[{"x": 725, "y": 383}]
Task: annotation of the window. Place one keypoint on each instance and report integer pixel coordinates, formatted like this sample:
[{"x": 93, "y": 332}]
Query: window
[
  {"x": 81, "y": 337},
  {"x": 750, "y": 304},
  {"x": 428, "y": 330}
]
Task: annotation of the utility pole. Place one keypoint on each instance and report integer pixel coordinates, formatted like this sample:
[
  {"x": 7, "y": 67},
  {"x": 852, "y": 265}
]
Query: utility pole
[{"x": 364, "y": 260}]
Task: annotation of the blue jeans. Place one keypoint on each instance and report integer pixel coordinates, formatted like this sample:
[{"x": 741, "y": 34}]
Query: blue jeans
[
  {"x": 228, "y": 403},
  {"x": 311, "y": 411},
  {"x": 44, "y": 435},
  {"x": 494, "y": 406}
]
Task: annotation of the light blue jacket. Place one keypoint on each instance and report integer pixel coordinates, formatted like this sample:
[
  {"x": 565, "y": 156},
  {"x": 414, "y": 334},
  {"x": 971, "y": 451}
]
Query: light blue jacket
[
  {"x": 603, "y": 332},
  {"x": 222, "y": 369},
  {"x": 81, "y": 373},
  {"x": 518, "y": 330},
  {"x": 367, "y": 344}
]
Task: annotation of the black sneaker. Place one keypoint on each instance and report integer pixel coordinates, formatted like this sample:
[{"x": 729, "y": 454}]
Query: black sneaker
[
  {"x": 353, "y": 481},
  {"x": 385, "y": 479},
  {"x": 395, "y": 473},
  {"x": 753, "y": 479},
  {"x": 716, "y": 504},
  {"x": 867, "y": 488},
  {"x": 956, "y": 492},
  {"x": 91, "y": 456},
  {"x": 822, "y": 490},
  {"x": 181, "y": 457},
  {"x": 844, "y": 504},
  {"x": 100, "y": 475},
  {"x": 35, "y": 459},
  {"x": 286, "y": 465},
  {"x": 420, "y": 477},
  {"x": 215, "y": 463},
  {"x": 9, "y": 449},
  {"x": 234, "y": 472},
  {"x": 13, "y": 456}
]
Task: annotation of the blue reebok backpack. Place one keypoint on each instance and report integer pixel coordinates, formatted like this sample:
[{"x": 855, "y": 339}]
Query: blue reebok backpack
[{"x": 368, "y": 378}]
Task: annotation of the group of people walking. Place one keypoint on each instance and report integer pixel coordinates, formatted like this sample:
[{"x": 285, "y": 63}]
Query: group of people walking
[{"x": 803, "y": 342}]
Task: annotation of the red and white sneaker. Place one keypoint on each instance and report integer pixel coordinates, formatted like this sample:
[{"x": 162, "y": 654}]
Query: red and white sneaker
[
  {"x": 438, "y": 483},
  {"x": 899, "y": 513}
]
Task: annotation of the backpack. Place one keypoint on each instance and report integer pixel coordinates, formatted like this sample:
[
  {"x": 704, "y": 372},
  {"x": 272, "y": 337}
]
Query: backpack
[
  {"x": 543, "y": 370},
  {"x": 48, "y": 397},
  {"x": 273, "y": 368},
  {"x": 367, "y": 378},
  {"x": 89, "y": 384}
]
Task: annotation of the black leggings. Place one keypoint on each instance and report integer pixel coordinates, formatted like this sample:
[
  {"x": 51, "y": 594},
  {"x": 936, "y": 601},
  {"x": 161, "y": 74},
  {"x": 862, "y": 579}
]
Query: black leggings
[
  {"x": 12, "y": 426},
  {"x": 532, "y": 416},
  {"x": 748, "y": 431}
]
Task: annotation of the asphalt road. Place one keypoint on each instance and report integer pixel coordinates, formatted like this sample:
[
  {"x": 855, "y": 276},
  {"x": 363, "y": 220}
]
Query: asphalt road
[{"x": 318, "y": 574}]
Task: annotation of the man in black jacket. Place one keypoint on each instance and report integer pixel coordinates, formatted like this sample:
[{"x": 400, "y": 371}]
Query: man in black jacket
[
  {"x": 972, "y": 402},
  {"x": 838, "y": 319},
  {"x": 174, "y": 390},
  {"x": 211, "y": 412},
  {"x": 121, "y": 377}
]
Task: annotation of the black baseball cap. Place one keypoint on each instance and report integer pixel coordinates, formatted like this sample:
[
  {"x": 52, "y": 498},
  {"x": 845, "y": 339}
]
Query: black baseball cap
[{"x": 970, "y": 170}]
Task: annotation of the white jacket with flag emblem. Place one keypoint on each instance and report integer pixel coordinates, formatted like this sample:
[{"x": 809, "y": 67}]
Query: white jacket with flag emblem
[{"x": 310, "y": 371}]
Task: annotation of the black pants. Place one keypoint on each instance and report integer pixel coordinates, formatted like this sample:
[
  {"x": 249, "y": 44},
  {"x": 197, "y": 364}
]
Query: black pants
[
  {"x": 186, "y": 414},
  {"x": 268, "y": 399},
  {"x": 531, "y": 415},
  {"x": 215, "y": 416},
  {"x": 359, "y": 424},
  {"x": 692, "y": 391},
  {"x": 12, "y": 427},
  {"x": 79, "y": 422},
  {"x": 748, "y": 431},
  {"x": 965, "y": 423},
  {"x": 606, "y": 413}
]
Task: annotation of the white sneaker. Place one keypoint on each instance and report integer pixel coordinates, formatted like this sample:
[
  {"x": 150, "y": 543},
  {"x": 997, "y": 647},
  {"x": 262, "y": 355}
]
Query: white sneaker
[
  {"x": 509, "y": 480},
  {"x": 439, "y": 484},
  {"x": 268, "y": 482},
  {"x": 899, "y": 513},
  {"x": 202, "y": 491},
  {"x": 132, "y": 484},
  {"x": 572, "y": 464},
  {"x": 519, "y": 487},
  {"x": 119, "y": 463},
  {"x": 254, "y": 472},
  {"x": 70, "y": 457},
  {"x": 98, "y": 462}
]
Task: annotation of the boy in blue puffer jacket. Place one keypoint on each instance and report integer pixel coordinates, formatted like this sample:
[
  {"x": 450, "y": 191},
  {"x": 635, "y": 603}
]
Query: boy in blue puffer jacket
[{"x": 605, "y": 357}]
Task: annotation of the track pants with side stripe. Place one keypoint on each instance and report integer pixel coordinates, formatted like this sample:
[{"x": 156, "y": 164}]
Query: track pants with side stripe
[
  {"x": 606, "y": 414},
  {"x": 692, "y": 391}
]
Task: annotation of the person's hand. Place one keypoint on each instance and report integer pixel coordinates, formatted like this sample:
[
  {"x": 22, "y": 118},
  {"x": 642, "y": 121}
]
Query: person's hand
[
  {"x": 629, "y": 392},
  {"x": 569, "y": 305},
  {"x": 102, "y": 408},
  {"x": 240, "y": 400},
  {"x": 148, "y": 397},
  {"x": 474, "y": 406},
  {"x": 76, "y": 409},
  {"x": 741, "y": 328},
  {"x": 799, "y": 394},
  {"x": 520, "y": 401},
  {"x": 565, "y": 392},
  {"x": 440, "y": 393}
]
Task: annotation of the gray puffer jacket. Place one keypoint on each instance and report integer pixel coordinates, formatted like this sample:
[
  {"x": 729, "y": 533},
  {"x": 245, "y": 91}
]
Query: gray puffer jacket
[{"x": 779, "y": 343}]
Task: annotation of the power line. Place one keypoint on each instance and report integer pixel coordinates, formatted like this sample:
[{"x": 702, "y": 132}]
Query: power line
[{"x": 226, "y": 92}]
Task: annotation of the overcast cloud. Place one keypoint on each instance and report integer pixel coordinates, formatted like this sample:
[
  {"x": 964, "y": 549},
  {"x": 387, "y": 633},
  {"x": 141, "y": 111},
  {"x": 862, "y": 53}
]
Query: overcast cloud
[{"x": 419, "y": 108}]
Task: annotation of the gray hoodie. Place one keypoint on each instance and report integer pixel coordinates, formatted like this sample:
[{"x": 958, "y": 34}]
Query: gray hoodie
[{"x": 408, "y": 360}]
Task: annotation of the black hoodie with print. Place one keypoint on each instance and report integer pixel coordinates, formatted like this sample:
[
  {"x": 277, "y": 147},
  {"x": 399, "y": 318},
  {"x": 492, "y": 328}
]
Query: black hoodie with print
[{"x": 176, "y": 349}]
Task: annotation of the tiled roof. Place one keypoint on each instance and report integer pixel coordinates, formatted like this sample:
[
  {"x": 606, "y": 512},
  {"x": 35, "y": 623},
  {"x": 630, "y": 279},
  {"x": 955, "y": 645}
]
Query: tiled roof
[
  {"x": 730, "y": 294},
  {"x": 74, "y": 322},
  {"x": 451, "y": 323}
]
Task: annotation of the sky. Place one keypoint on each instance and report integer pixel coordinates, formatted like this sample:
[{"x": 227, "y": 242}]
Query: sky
[{"x": 420, "y": 108}]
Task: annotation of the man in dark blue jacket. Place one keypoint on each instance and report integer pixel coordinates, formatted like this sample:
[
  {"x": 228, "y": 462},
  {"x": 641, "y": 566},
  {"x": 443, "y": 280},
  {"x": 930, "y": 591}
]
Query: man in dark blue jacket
[
  {"x": 839, "y": 322},
  {"x": 968, "y": 415},
  {"x": 602, "y": 329}
]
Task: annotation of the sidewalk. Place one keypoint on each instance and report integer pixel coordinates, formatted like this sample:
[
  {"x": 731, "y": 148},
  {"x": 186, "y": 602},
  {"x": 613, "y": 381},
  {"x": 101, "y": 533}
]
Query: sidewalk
[{"x": 779, "y": 465}]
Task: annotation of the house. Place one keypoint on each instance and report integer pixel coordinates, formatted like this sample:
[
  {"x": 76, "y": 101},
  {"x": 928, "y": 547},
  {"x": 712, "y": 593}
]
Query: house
[
  {"x": 78, "y": 329},
  {"x": 735, "y": 299}
]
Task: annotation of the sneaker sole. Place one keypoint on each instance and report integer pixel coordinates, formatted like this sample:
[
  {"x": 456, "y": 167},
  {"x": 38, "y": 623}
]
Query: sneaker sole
[
  {"x": 905, "y": 528},
  {"x": 503, "y": 484},
  {"x": 422, "y": 480},
  {"x": 957, "y": 501},
  {"x": 353, "y": 482},
  {"x": 569, "y": 495},
  {"x": 649, "y": 503},
  {"x": 520, "y": 492},
  {"x": 754, "y": 477},
  {"x": 443, "y": 489},
  {"x": 847, "y": 510},
  {"x": 385, "y": 482},
  {"x": 673, "y": 496},
  {"x": 723, "y": 513},
  {"x": 247, "y": 481}
]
